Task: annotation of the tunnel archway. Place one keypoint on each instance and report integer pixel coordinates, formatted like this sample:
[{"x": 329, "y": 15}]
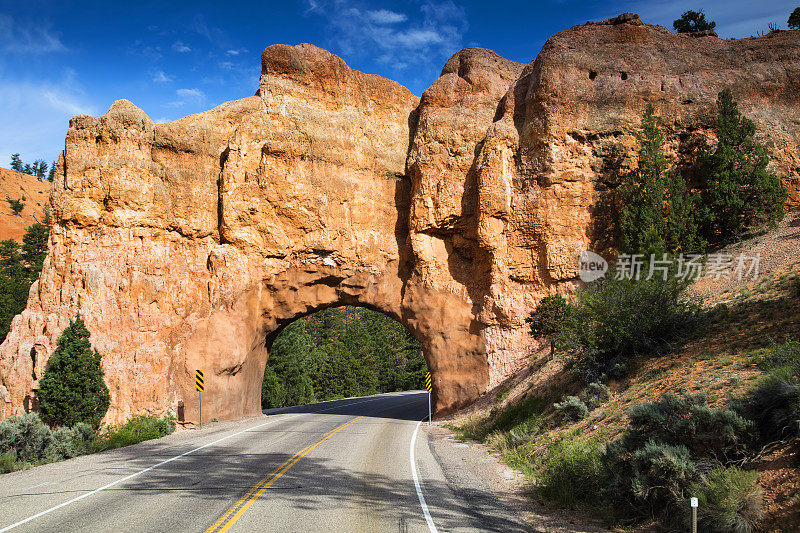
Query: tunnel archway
[
  {"x": 340, "y": 352},
  {"x": 441, "y": 323}
]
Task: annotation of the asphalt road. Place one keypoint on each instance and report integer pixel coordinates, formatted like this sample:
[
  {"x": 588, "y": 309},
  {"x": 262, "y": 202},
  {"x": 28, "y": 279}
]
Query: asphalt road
[{"x": 335, "y": 466}]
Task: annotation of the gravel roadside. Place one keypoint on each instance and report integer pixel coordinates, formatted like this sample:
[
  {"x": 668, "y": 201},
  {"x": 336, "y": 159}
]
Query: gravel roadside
[{"x": 471, "y": 464}]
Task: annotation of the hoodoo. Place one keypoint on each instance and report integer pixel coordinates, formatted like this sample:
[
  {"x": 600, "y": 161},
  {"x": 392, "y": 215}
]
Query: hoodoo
[{"x": 191, "y": 244}]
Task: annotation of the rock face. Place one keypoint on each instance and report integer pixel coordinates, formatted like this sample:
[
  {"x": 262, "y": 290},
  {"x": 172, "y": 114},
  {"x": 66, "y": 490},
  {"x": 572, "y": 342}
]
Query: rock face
[{"x": 191, "y": 244}]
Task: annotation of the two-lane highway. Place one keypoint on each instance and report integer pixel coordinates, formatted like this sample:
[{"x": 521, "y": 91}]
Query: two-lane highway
[{"x": 360, "y": 464}]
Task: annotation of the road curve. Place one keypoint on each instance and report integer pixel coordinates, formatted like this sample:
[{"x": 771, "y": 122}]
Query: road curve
[{"x": 334, "y": 466}]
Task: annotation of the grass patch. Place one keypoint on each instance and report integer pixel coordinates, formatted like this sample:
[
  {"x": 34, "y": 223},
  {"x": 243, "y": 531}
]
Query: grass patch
[
  {"x": 9, "y": 463},
  {"x": 479, "y": 428},
  {"x": 730, "y": 500},
  {"x": 572, "y": 472},
  {"x": 503, "y": 393},
  {"x": 135, "y": 430}
]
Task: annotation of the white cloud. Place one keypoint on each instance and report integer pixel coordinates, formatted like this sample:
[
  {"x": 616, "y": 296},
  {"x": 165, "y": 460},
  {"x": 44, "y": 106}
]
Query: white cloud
[
  {"x": 196, "y": 94},
  {"x": 28, "y": 38},
  {"x": 423, "y": 38},
  {"x": 36, "y": 116},
  {"x": 313, "y": 7},
  {"x": 236, "y": 51},
  {"x": 418, "y": 38},
  {"x": 187, "y": 96},
  {"x": 384, "y": 16},
  {"x": 162, "y": 77},
  {"x": 64, "y": 103},
  {"x": 181, "y": 47}
]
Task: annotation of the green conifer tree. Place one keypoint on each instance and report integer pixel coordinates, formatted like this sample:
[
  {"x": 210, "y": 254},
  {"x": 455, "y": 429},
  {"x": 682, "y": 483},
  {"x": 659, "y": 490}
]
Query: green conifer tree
[
  {"x": 548, "y": 318},
  {"x": 34, "y": 246},
  {"x": 693, "y": 21},
  {"x": 16, "y": 163},
  {"x": 657, "y": 215},
  {"x": 739, "y": 191},
  {"x": 72, "y": 389},
  {"x": 14, "y": 284},
  {"x": 16, "y": 205},
  {"x": 794, "y": 19}
]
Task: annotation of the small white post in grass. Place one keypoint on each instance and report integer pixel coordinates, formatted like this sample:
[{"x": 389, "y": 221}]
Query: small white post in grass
[{"x": 693, "y": 502}]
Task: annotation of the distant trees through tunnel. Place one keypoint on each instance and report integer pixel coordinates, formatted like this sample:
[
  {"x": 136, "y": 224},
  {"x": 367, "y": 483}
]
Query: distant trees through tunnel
[{"x": 341, "y": 352}]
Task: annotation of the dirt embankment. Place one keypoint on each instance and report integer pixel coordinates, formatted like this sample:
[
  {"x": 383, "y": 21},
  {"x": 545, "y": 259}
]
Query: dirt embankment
[{"x": 33, "y": 193}]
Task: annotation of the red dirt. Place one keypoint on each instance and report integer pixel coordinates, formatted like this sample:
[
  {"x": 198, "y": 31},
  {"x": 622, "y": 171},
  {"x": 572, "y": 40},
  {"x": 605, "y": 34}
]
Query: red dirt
[{"x": 15, "y": 185}]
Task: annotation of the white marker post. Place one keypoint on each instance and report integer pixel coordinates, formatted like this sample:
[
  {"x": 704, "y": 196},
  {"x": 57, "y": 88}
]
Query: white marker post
[{"x": 693, "y": 502}]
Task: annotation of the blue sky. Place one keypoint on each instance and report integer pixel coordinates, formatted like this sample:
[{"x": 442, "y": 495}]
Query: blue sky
[{"x": 59, "y": 59}]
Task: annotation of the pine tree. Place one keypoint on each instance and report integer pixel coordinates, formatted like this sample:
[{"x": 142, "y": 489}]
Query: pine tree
[
  {"x": 39, "y": 168},
  {"x": 739, "y": 191},
  {"x": 273, "y": 393},
  {"x": 16, "y": 163},
  {"x": 693, "y": 21},
  {"x": 34, "y": 246},
  {"x": 548, "y": 318},
  {"x": 657, "y": 215},
  {"x": 794, "y": 19},
  {"x": 13, "y": 284},
  {"x": 19, "y": 268},
  {"x": 16, "y": 205},
  {"x": 72, "y": 389},
  {"x": 52, "y": 173}
]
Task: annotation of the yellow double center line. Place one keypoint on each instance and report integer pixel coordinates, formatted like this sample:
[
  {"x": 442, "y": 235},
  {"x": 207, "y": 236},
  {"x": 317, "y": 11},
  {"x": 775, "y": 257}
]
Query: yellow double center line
[{"x": 236, "y": 511}]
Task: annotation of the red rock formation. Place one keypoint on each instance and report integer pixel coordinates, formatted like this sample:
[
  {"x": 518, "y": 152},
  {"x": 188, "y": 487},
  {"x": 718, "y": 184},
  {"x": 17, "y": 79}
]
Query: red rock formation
[{"x": 190, "y": 244}]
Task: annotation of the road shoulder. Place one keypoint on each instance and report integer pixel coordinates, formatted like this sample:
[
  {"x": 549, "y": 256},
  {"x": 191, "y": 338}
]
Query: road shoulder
[{"x": 472, "y": 464}]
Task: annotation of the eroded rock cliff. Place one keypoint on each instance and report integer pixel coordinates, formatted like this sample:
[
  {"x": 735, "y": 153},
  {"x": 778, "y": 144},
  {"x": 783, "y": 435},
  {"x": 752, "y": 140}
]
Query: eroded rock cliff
[{"x": 190, "y": 244}]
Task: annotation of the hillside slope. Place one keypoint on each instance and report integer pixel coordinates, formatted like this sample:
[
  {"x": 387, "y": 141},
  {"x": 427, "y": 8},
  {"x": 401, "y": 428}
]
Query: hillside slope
[
  {"x": 16, "y": 185},
  {"x": 723, "y": 359}
]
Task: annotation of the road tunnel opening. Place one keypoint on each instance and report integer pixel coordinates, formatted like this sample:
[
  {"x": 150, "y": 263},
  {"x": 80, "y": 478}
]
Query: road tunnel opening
[{"x": 340, "y": 352}]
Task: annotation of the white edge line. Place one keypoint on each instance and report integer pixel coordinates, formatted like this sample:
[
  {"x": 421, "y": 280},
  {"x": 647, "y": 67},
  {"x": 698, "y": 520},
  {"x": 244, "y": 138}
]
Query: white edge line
[
  {"x": 131, "y": 476},
  {"x": 428, "y": 518}
]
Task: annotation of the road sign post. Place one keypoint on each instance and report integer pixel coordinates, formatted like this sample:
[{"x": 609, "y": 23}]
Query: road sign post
[
  {"x": 429, "y": 388},
  {"x": 693, "y": 502},
  {"x": 200, "y": 385}
]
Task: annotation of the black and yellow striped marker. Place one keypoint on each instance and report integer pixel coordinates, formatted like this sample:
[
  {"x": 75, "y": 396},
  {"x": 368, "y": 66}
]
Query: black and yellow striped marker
[
  {"x": 198, "y": 380},
  {"x": 429, "y": 388}
]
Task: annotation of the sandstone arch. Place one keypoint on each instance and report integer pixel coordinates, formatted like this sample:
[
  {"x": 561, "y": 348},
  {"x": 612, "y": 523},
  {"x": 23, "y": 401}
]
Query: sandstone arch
[{"x": 185, "y": 244}]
